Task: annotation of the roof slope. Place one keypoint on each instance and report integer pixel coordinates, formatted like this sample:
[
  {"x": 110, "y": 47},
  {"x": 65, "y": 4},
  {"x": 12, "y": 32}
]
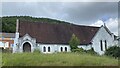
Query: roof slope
[{"x": 56, "y": 33}]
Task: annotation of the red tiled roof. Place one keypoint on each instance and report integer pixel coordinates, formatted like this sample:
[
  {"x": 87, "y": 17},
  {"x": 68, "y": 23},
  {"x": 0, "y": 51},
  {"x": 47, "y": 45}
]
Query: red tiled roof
[{"x": 56, "y": 33}]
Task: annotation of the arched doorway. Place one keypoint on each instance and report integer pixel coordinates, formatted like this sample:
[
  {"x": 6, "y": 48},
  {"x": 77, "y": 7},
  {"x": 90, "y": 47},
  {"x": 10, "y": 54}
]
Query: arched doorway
[{"x": 26, "y": 47}]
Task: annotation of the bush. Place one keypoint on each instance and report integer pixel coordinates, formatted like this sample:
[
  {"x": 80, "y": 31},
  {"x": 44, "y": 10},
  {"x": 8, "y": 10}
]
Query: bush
[
  {"x": 113, "y": 51},
  {"x": 7, "y": 50},
  {"x": 37, "y": 51},
  {"x": 80, "y": 50},
  {"x": 91, "y": 51}
]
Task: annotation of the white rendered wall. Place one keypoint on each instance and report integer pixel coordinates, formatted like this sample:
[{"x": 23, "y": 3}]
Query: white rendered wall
[
  {"x": 32, "y": 41},
  {"x": 29, "y": 39},
  {"x": 103, "y": 35},
  {"x": 115, "y": 42},
  {"x": 53, "y": 47},
  {"x": 85, "y": 47}
]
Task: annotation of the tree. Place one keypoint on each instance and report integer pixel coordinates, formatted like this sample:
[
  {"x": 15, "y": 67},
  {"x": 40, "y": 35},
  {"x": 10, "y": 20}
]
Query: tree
[{"x": 74, "y": 42}]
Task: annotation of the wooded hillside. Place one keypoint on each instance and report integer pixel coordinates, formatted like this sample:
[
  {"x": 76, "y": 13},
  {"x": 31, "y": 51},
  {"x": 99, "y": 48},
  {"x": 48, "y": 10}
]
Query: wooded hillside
[{"x": 9, "y": 22}]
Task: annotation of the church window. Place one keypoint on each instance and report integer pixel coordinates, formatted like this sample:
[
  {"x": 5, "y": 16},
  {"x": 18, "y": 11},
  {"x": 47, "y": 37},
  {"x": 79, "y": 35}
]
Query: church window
[
  {"x": 44, "y": 49},
  {"x": 105, "y": 45},
  {"x": 101, "y": 45},
  {"x": 48, "y": 49},
  {"x": 61, "y": 49},
  {"x": 66, "y": 49}
]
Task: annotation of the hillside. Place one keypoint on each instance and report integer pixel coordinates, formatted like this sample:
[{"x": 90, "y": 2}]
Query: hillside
[{"x": 9, "y": 22}]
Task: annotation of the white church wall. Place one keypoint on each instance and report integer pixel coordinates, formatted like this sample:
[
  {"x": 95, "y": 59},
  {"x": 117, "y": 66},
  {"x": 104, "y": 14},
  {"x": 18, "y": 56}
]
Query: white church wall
[
  {"x": 19, "y": 42},
  {"x": 115, "y": 42},
  {"x": 63, "y": 46},
  {"x": 53, "y": 48},
  {"x": 85, "y": 47},
  {"x": 103, "y": 35}
]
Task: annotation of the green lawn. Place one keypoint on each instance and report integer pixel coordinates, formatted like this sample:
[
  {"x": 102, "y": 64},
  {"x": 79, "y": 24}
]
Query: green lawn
[{"x": 59, "y": 59}]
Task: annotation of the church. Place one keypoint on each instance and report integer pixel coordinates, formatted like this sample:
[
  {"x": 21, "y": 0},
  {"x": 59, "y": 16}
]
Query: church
[{"x": 51, "y": 37}]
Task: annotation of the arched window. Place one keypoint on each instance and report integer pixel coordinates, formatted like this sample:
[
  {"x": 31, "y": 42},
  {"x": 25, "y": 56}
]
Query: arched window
[
  {"x": 44, "y": 49},
  {"x": 66, "y": 49},
  {"x": 61, "y": 49},
  {"x": 48, "y": 49}
]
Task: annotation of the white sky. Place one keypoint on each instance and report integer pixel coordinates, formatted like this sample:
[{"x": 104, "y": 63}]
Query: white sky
[
  {"x": 82, "y": 13},
  {"x": 60, "y": 0}
]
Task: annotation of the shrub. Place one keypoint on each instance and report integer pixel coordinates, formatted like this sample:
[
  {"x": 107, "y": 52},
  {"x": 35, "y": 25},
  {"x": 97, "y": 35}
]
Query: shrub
[
  {"x": 91, "y": 51},
  {"x": 78, "y": 50},
  {"x": 7, "y": 50},
  {"x": 81, "y": 50},
  {"x": 113, "y": 51},
  {"x": 37, "y": 51}
]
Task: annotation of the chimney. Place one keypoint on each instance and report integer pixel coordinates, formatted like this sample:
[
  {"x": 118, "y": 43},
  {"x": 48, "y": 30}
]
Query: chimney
[
  {"x": 104, "y": 24},
  {"x": 17, "y": 25}
]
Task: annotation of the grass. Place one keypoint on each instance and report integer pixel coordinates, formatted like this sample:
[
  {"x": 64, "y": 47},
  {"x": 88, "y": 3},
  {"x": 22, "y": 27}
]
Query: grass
[
  {"x": 59, "y": 59},
  {"x": 0, "y": 59}
]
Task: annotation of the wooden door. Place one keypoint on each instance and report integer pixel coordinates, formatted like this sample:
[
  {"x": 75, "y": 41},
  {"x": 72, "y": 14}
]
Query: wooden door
[{"x": 26, "y": 47}]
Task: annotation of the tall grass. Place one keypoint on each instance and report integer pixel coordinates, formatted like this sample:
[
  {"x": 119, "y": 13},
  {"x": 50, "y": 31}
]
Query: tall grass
[
  {"x": 59, "y": 59},
  {"x": 0, "y": 58}
]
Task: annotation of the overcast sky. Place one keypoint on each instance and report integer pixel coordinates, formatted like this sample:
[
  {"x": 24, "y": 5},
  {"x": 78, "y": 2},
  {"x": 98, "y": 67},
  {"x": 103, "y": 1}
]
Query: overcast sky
[{"x": 82, "y": 13}]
